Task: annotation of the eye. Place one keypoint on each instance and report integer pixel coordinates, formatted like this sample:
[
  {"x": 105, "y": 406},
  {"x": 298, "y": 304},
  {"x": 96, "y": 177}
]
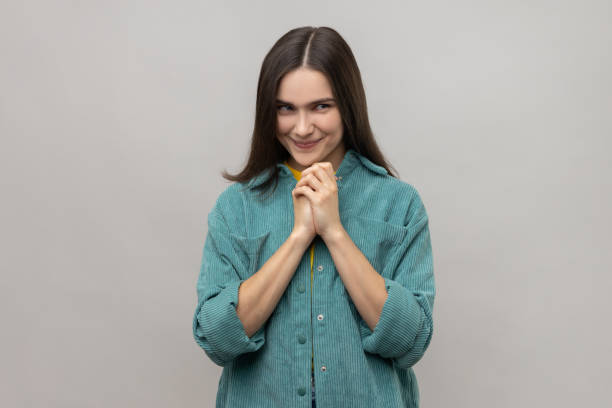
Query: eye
[{"x": 289, "y": 107}]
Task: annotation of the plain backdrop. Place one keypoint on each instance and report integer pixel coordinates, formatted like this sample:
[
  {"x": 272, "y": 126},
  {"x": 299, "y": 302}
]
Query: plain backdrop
[{"x": 117, "y": 117}]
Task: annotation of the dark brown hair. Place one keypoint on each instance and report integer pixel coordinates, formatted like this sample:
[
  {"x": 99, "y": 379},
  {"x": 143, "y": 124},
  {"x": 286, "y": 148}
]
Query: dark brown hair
[{"x": 324, "y": 50}]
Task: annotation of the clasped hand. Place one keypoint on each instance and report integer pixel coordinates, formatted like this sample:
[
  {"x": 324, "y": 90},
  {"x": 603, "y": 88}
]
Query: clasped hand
[{"x": 318, "y": 184}]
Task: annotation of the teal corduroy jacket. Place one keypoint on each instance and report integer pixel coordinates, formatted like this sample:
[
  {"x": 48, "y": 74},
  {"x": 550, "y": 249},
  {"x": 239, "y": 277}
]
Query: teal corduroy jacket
[{"x": 353, "y": 365}]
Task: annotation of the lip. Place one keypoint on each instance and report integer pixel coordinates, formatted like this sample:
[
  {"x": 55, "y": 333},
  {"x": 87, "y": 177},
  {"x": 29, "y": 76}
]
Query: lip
[{"x": 306, "y": 146}]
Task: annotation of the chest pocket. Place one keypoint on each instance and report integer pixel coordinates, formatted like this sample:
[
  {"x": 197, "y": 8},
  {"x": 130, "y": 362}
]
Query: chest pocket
[
  {"x": 378, "y": 240},
  {"x": 255, "y": 251},
  {"x": 249, "y": 251}
]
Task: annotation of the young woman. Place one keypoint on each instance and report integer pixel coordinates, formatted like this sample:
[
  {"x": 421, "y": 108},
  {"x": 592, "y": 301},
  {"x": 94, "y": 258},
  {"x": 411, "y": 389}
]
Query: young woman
[{"x": 321, "y": 291}]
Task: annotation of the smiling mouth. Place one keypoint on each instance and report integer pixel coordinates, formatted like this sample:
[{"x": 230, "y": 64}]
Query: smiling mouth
[{"x": 306, "y": 145}]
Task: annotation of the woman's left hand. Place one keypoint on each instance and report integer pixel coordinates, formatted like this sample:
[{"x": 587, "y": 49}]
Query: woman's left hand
[{"x": 321, "y": 190}]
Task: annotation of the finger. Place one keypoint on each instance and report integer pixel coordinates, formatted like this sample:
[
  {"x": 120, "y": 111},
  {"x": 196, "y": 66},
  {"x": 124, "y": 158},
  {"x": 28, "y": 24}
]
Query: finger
[
  {"x": 297, "y": 189},
  {"x": 330, "y": 169},
  {"x": 322, "y": 173},
  {"x": 310, "y": 180},
  {"x": 305, "y": 191}
]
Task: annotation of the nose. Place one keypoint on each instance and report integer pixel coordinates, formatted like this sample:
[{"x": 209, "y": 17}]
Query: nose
[{"x": 304, "y": 127}]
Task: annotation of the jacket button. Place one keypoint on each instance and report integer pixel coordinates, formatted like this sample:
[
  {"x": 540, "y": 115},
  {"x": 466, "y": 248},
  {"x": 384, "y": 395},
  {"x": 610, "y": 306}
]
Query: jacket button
[
  {"x": 323, "y": 368},
  {"x": 301, "y": 391},
  {"x": 320, "y": 268},
  {"x": 320, "y": 317},
  {"x": 301, "y": 339},
  {"x": 301, "y": 288}
]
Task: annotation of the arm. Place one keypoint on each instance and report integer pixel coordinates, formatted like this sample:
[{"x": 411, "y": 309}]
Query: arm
[
  {"x": 230, "y": 313},
  {"x": 397, "y": 304},
  {"x": 405, "y": 327},
  {"x": 365, "y": 286},
  {"x": 259, "y": 295}
]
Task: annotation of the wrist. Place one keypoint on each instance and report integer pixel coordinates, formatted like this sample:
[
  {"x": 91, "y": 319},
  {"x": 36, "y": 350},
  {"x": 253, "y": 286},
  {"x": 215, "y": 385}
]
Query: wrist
[
  {"x": 335, "y": 235},
  {"x": 301, "y": 237}
]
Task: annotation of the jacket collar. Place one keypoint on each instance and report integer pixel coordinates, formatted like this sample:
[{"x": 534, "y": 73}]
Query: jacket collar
[{"x": 350, "y": 160}]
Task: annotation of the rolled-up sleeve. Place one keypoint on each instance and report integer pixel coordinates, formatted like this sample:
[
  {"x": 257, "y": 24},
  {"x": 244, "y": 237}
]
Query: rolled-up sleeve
[
  {"x": 405, "y": 326},
  {"x": 216, "y": 326}
]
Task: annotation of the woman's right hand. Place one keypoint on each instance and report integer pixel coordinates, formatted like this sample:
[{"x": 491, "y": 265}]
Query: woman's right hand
[{"x": 303, "y": 224}]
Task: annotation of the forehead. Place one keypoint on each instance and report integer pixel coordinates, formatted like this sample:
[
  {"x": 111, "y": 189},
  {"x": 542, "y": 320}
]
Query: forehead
[{"x": 303, "y": 85}]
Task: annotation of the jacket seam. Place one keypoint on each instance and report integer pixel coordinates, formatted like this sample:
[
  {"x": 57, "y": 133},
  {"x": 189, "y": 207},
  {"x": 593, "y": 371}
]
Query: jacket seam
[{"x": 246, "y": 224}]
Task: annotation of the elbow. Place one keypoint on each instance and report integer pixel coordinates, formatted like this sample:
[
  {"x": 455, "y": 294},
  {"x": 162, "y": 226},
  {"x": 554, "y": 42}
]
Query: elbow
[
  {"x": 215, "y": 354},
  {"x": 417, "y": 351},
  {"x": 220, "y": 333}
]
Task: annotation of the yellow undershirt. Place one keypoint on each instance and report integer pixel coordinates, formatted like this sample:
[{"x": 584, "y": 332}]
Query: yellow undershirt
[{"x": 298, "y": 174}]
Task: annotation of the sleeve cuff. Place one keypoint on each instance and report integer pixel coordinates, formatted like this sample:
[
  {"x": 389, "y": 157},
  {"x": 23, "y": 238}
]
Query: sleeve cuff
[
  {"x": 400, "y": 321},
  {"x": 219, "y": 330}
]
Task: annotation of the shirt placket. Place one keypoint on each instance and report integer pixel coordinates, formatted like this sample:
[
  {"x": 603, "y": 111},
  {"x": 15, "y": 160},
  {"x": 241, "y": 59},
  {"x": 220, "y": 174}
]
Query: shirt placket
[{"x": 319, "y": 268}]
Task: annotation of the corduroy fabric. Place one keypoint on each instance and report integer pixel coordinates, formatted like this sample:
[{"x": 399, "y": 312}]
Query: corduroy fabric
[
  {"x": 354, "y": 366},
  {"x": 298, "y": 175}
]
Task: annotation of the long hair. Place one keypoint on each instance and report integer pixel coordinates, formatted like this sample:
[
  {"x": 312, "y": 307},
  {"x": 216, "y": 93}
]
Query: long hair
[{"x": 324, "y": 50}]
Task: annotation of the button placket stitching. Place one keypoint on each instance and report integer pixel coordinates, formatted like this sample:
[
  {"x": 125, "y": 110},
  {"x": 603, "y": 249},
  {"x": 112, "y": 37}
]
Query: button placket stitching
[
  {"x": 311, "y": 325},
  {"x": 319, "y": 268}
]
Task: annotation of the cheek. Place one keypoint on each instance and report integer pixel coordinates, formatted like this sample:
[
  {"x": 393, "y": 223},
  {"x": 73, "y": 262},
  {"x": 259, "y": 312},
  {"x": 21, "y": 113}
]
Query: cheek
[
  {"x": 331, "y": 123},
  {"x": 283, "y": 124}
]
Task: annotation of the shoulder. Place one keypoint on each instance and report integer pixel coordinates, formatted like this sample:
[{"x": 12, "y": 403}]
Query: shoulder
[
  {"x": 394, "y": 188},
  {"x": 396, "y": 201},
  {"x": 404, "y": 198},
  {"x": 229, "y": 208}
]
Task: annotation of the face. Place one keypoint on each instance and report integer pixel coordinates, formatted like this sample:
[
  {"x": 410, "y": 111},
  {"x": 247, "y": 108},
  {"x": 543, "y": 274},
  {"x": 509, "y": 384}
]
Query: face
[{"x": 306, "y": 112}]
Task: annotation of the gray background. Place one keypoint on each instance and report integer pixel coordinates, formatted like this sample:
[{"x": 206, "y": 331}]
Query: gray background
[{"x": 116, "y": 118}]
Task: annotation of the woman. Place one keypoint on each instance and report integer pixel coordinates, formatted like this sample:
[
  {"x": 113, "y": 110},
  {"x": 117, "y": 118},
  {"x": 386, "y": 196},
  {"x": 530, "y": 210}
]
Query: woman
[{"x": 325, "y": 284}]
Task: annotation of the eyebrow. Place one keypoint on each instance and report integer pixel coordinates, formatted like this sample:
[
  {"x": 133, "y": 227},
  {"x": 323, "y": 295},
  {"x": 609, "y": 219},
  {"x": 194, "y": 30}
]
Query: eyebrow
[{"x": 318, "y": 101}]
